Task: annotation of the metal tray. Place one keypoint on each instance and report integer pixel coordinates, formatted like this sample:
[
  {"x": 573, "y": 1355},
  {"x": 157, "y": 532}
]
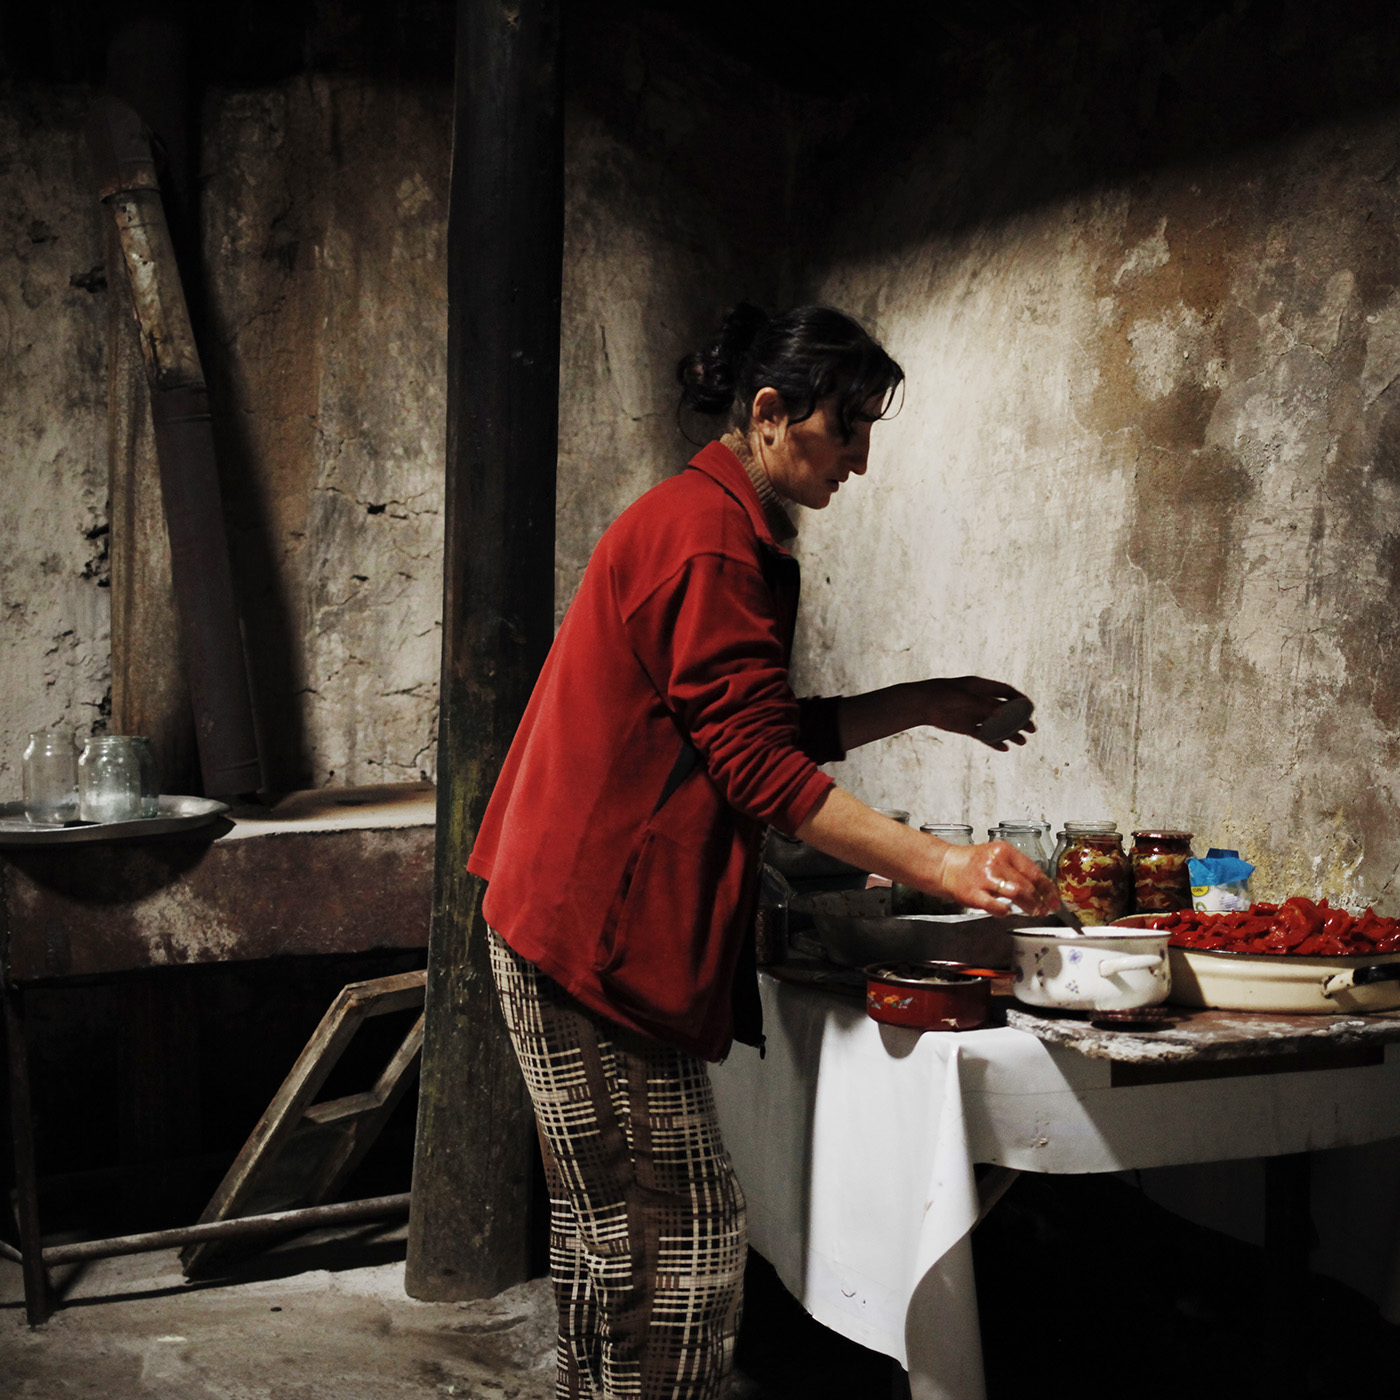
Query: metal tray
[{"x": 175, "y": 814}]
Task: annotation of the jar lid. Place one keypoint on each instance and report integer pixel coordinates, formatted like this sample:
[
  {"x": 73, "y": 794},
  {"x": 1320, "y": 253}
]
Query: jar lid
[{"x": 1161, "y": 836}]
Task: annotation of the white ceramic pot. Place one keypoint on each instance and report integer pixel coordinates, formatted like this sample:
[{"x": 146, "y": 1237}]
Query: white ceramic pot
[{"x": 1097, "y": 970}]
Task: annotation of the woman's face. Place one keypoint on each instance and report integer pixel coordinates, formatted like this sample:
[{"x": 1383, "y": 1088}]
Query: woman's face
[{"x": 807, "y": 462}]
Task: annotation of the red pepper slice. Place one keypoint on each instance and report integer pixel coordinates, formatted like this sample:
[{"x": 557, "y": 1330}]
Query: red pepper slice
[
  {"x": 1300, "y": 917},
  {"x": 1338, "y": 923},
  {"x": 1251, "y": 926}
]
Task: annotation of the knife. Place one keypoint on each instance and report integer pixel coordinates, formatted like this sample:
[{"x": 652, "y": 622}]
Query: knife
[{"x": 1068, "y": 918}]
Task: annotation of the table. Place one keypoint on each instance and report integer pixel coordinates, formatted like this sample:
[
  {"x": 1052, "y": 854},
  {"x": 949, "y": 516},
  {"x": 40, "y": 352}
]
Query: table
[
  {"x": 856, "y": 1144},
  {"x": 330, "y": 871}
]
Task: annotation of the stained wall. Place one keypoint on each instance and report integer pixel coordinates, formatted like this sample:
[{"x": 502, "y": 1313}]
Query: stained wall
[
  {"x": 324, "y": 245},
  {"x": 1145, "y": 470},
  {"x": 53, "y": 443}
]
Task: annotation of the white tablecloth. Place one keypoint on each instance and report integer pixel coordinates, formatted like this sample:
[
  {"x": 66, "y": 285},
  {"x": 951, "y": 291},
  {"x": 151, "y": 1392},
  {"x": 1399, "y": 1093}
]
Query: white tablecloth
[{"x": 855, "y": 1145}]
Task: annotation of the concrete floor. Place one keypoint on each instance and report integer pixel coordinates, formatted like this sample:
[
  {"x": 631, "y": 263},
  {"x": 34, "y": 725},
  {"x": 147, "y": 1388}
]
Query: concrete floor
[
  {"x": 325, "y": 1317},
  {"x": 309, "y": 1321}
]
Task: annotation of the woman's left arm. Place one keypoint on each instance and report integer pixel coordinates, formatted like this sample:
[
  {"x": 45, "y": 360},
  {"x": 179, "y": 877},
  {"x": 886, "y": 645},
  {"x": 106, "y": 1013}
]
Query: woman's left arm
[{"x": 958, "y": 705}]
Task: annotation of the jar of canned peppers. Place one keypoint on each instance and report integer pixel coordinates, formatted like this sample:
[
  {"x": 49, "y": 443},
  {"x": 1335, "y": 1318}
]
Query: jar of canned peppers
[
  {"x": 1161, "y": 878},
  {"x": 1092, "y": 871}
]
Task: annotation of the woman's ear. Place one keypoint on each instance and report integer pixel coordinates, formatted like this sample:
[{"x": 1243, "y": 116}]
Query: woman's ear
[{"x": 769, "y": 414}]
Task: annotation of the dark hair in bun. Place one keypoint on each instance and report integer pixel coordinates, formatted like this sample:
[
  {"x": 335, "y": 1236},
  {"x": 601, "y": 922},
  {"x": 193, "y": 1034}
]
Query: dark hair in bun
[{"x": 809, "y": 354}]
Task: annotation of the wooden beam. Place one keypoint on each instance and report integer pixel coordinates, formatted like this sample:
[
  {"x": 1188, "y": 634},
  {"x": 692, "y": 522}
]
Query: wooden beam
[
  {"x": 148, "y": 68},
  {"x": 469, "y": 1230}
]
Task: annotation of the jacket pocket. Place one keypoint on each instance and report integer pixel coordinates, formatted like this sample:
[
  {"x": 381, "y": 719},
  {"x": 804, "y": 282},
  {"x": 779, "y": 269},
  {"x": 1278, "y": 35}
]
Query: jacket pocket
[
  {"x": 671, "y": 957},
  {"x": 612, "y": 944}
]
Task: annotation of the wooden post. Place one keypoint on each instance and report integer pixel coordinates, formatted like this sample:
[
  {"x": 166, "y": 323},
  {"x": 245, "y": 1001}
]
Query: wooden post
[
  {"x": 211, "y": 643},
  {"x": 149, "y": 693},
  {"x": 469, "y": 1228},
  {"x": 147, "y": 67}
]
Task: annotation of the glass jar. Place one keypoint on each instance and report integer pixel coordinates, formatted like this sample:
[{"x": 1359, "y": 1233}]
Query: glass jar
[
  {"x": 50, "y": 767},
  {"x": 1092, "y": 873},
  {"x": 1026, "y": 837},
  {"x": 911, "y": 901},
  {"x": 150, "y": 780},
  {"x": 1161, "y": 879},
  {"x": 109, "y": 779},
  {"x": 954, "y": 833},
  {"x": 1062, "y": 838},
  {"x": 1042, "y": 827}
]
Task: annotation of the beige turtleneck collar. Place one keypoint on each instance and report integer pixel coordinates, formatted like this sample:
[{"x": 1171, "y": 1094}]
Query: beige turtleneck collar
[{"x": 779, "y": 521}]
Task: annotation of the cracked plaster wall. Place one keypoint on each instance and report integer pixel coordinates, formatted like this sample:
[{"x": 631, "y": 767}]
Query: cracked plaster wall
[
  {"x": 325, "y": 243},
  {"x": 1148, "y": 470},
  {"x": 53, "y": 452},
  {"x": 324, "y": 233}
]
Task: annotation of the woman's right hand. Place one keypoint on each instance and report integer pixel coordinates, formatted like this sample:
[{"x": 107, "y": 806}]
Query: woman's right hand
[{"x": 995, "y": 876}]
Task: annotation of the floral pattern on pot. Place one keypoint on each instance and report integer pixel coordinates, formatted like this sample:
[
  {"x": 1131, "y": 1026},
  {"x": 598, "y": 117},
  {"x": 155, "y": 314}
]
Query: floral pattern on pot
[{"x": 1108, "y": 970}]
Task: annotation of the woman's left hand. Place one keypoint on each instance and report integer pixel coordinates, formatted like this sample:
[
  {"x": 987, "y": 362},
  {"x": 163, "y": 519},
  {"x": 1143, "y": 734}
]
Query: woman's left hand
[
  {"x": 957, "y": 705},
  {"x": 960, "y": 704}
]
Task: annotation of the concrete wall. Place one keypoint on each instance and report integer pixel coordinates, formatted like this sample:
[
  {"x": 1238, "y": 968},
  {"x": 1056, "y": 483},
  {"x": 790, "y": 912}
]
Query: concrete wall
[
  {"x": 324, "y": 236},
  {"x": 325, "y": 241},
  {"x": 1146, "y": 470},
  {"x": 53, "y": 434}
]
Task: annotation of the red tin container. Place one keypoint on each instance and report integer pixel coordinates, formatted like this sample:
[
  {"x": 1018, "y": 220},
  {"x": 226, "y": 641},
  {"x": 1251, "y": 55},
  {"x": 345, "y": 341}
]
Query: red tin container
[{"x": 928, "y": 996}]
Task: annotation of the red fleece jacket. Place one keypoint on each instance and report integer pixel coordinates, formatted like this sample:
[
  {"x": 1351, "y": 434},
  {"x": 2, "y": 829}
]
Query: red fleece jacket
[{"x": 681, "y": 631}]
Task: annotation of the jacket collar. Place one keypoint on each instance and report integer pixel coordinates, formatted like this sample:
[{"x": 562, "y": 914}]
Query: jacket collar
[{"x": 720, "y": 464}]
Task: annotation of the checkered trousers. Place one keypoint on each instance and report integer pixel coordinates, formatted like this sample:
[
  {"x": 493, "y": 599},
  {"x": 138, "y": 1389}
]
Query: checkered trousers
[{"x": 647, "y": 1232}]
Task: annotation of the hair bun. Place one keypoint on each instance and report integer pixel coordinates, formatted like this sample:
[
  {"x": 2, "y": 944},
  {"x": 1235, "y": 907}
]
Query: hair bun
[
  {"x": 708, "y": 376},
  {"x": 740, "y": 330}
]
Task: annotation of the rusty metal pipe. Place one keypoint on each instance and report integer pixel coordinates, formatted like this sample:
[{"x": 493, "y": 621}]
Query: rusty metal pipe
[
  {"x": 210, "y": 639},
  {"x": 246, "y": 1227}
]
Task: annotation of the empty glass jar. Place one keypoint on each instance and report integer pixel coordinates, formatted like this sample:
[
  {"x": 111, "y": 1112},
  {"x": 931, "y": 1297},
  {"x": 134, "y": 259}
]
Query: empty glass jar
[
  {"x": 50, "y": 767},
  {"x": 150, "y": 781},
  {"x": 910, "y": 901},
  {"x": 109, "y": 779},
  {"x": 1025, "y": 836},
  {"x": 954, "y": 833}
]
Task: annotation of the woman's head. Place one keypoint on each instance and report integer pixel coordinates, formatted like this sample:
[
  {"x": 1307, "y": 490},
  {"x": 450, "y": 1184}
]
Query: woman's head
[{"x": 810, "y": 356}]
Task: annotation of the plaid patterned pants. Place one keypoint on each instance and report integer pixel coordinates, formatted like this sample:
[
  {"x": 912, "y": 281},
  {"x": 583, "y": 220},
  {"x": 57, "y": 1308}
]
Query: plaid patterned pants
[{"x": 647, "y": 1236}]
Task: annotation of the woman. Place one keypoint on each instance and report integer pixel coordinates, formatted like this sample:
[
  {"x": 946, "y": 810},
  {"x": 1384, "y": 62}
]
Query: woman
[{"x": 620, "y": 844}]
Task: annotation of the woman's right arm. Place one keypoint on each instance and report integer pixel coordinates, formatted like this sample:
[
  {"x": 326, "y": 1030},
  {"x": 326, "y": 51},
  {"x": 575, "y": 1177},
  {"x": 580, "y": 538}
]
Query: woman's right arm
[{"x": 991, "y": 877}]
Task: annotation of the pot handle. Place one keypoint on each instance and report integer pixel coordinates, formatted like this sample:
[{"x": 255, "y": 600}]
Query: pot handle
[
  {"x": 1129, "y": 962},
  {"x": 1361, "y": 977}
]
